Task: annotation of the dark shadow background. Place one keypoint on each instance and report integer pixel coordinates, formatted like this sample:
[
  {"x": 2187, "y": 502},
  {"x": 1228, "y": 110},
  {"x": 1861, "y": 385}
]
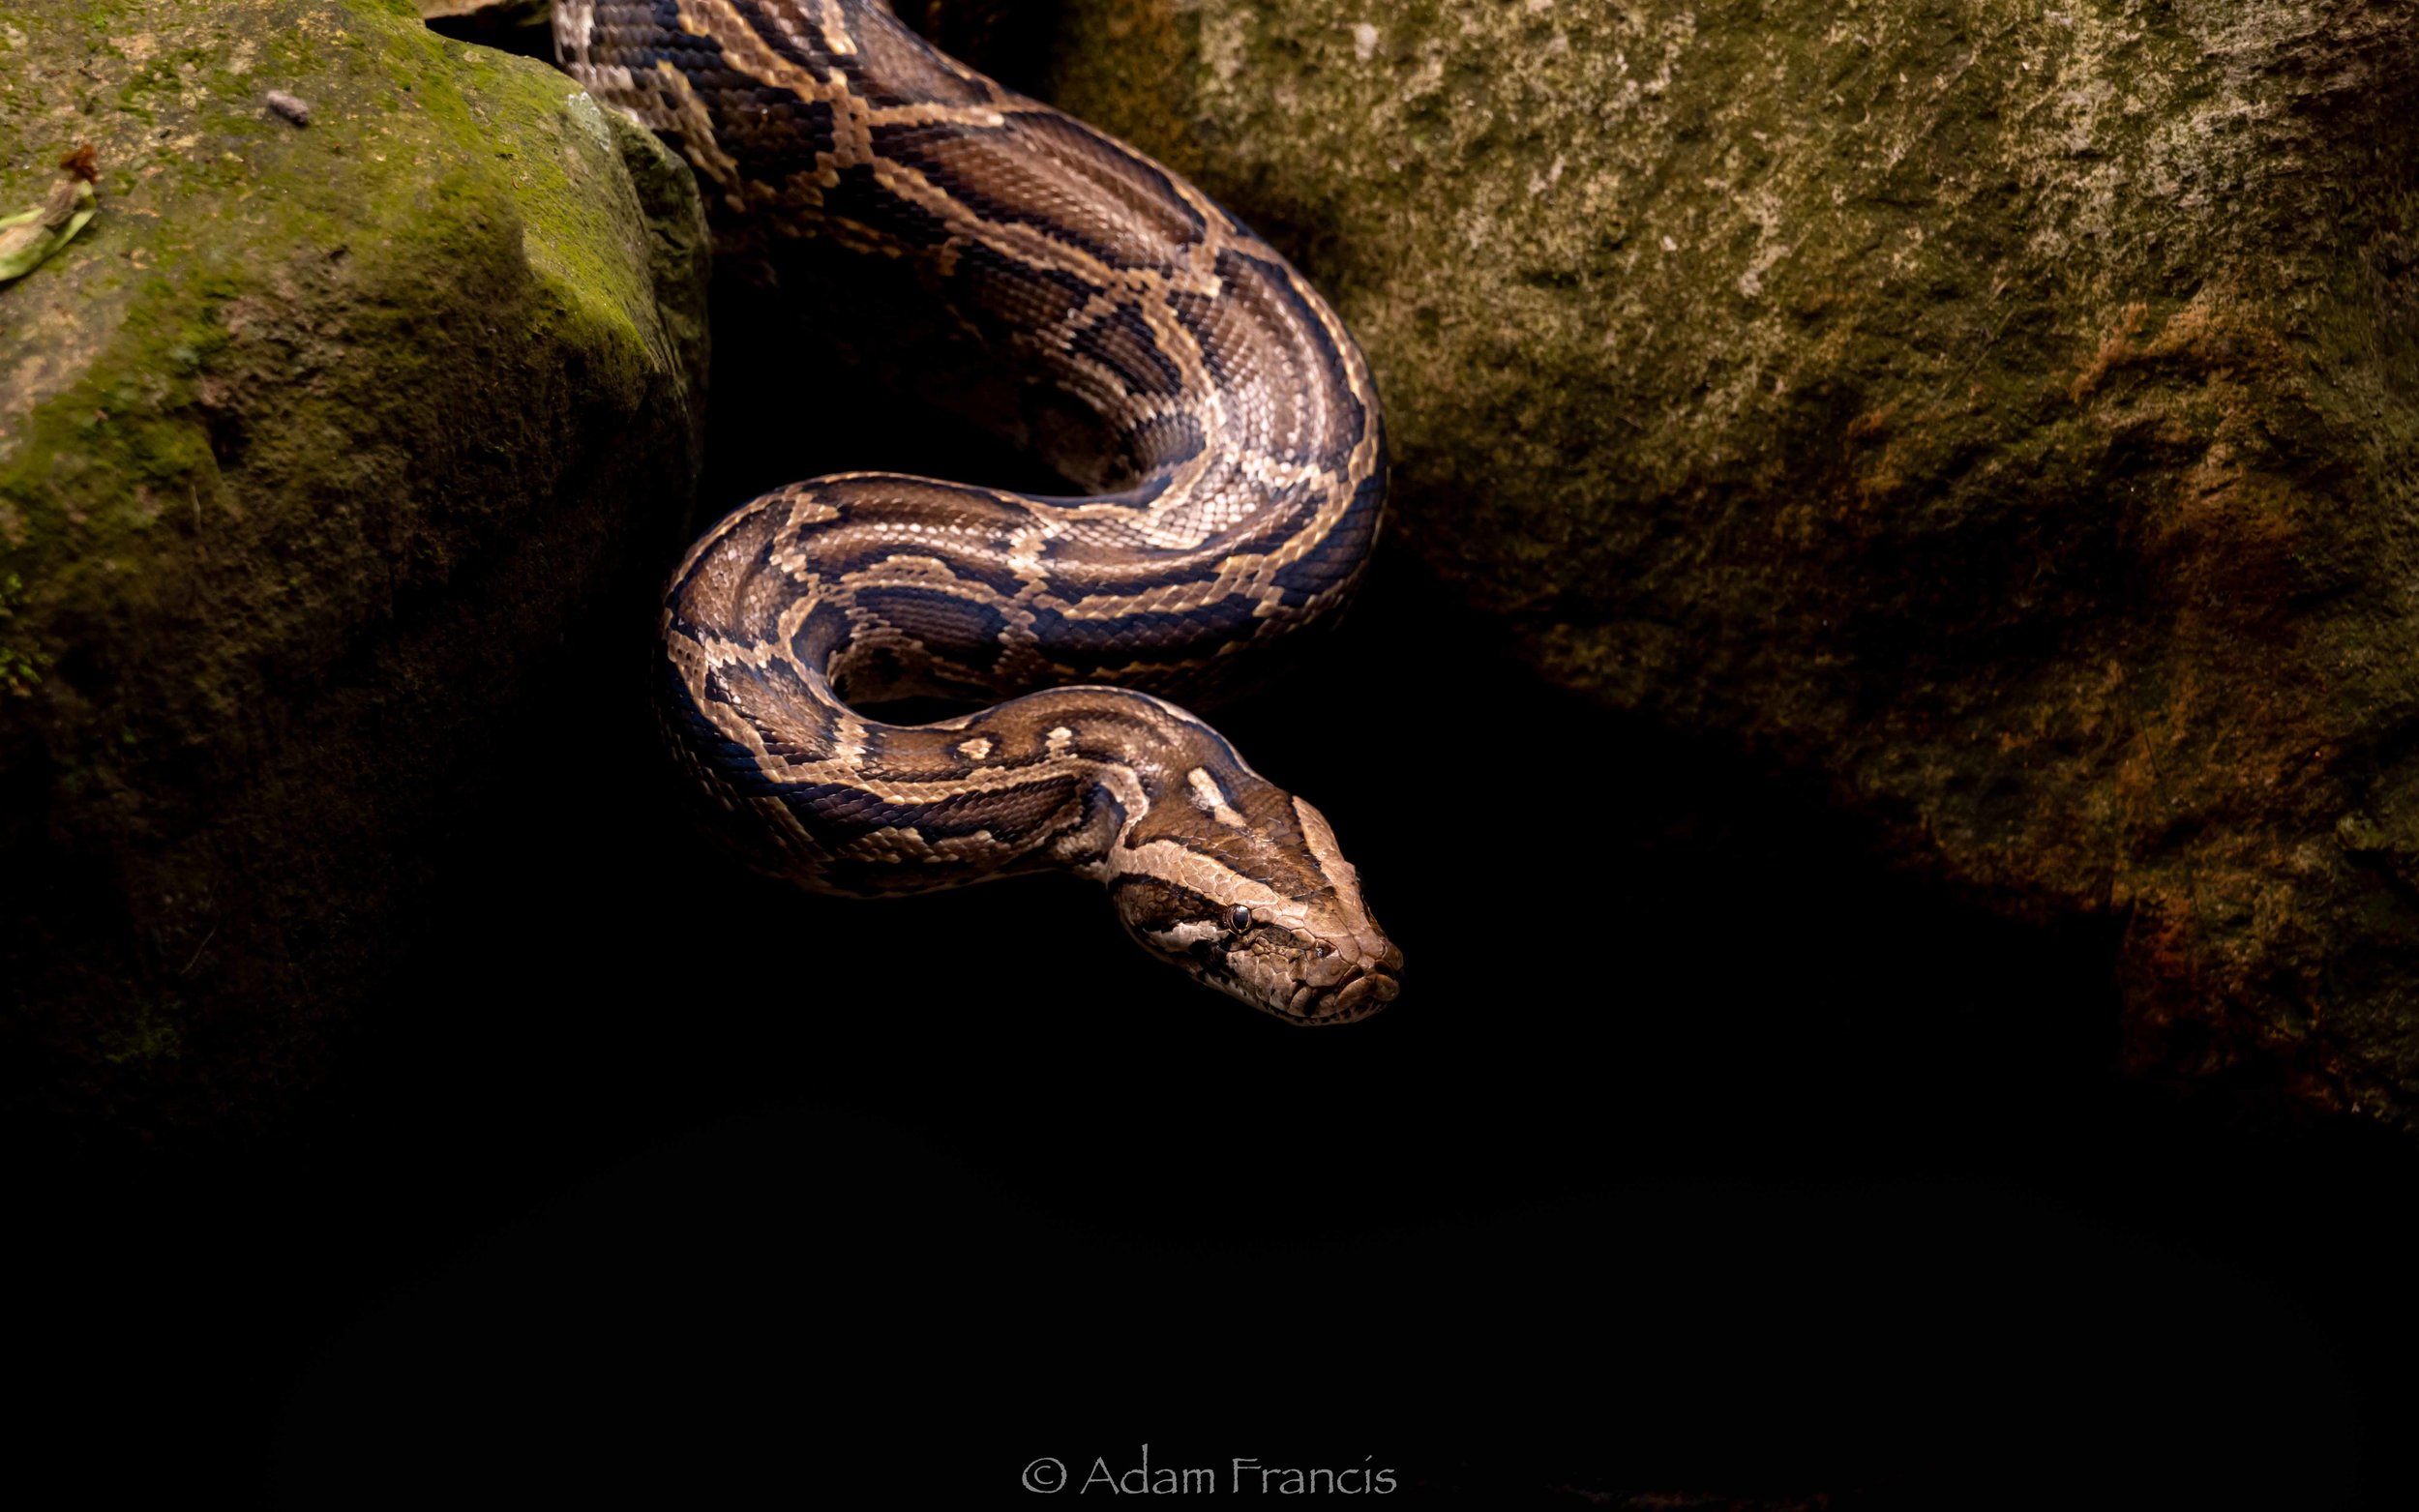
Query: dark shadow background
[{"x": 1700, "y": 1154}]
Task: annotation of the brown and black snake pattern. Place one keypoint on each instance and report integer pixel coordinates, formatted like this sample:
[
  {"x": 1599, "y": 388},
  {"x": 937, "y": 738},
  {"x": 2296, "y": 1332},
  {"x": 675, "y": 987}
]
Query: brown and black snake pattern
[{"x": 1219, "y": 412}]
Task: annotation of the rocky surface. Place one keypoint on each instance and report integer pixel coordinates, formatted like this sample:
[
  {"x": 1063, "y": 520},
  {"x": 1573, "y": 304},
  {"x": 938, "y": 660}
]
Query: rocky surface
[
  {"x": 378, "y": 377},
  {"x": 2008, "y": 411}
]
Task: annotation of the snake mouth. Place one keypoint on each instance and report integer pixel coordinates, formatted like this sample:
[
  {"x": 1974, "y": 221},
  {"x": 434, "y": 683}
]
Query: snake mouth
[{"x": 1360, "y": 993}]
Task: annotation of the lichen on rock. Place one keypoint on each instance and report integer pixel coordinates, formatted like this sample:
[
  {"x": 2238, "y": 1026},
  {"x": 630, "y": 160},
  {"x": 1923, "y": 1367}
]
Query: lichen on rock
[
  {"x": 312, "y": 449},
  {"x": 2008, "y": 411}
]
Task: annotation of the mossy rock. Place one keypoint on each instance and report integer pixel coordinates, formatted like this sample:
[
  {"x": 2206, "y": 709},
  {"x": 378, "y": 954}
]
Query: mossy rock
[
  {"x": 315, "y": 448},
  {"x": 2009, "y": 411}
]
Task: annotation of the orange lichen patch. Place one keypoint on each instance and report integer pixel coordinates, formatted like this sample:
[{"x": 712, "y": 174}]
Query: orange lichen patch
[
  {"x": 2211, "y": 334},
  {"x": 1871, "y": 423},
  {"x": 1904, "y": 435},
  {"x": 2225, "y": 519},
  {"x": 2116, "y": 347}
]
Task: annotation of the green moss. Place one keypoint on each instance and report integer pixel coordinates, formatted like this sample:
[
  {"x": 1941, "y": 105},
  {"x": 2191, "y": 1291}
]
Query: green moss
[
  {"x": 144, "y": 1038},
  {"x": 361, "y": 195},
  {"x": 327, "y": 433},
  {"x": 21, "y": 667}
]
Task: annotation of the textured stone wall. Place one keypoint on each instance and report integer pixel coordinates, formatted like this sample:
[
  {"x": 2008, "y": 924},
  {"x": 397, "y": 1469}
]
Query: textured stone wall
[
  {"x": 2008, "y": 410},
  {"x": 314, "y": 446}
]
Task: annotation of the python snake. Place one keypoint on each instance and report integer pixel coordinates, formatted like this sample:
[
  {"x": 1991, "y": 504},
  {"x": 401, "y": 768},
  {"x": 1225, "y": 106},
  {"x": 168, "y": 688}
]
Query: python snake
[{"x": 1165, "y": 359}]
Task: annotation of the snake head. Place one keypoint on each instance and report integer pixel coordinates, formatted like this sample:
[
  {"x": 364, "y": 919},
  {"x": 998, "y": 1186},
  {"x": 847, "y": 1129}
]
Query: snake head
[{"x": 1240, "y": 885}]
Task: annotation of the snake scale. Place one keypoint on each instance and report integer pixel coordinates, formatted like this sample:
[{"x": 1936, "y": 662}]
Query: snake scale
[{"x": 1166, "y": 360}]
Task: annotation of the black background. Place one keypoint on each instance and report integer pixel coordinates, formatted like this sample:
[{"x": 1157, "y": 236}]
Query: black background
[{"x": 1701, "y": 1153}]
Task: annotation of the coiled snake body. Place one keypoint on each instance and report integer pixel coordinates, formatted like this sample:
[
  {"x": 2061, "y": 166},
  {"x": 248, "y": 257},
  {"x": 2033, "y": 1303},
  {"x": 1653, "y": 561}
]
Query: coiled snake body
[{"x": 1168, "y": 360}]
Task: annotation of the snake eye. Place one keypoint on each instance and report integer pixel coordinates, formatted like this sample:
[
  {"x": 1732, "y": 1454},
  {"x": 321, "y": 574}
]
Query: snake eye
[{"x": 1238, "y": 918}]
